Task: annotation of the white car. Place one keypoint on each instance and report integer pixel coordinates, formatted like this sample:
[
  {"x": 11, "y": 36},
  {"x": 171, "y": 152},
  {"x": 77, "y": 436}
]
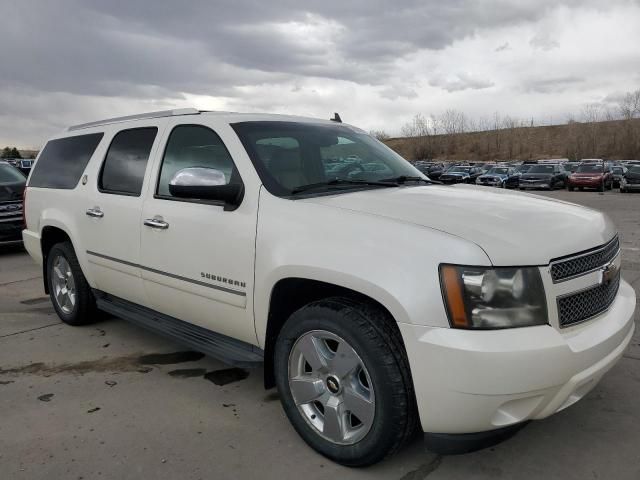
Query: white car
[{"x": 378, "y": 303}]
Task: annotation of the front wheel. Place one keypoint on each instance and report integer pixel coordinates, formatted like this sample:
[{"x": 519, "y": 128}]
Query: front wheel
[
  {"x": 344, "y": 381},
  {"x": 68, "y": 288}
]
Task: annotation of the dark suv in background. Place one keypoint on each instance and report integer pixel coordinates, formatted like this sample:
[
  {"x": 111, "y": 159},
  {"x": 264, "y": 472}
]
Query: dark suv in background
[
  {"x": 546, "y": 176},
  {"x": 12, "y": 182}
]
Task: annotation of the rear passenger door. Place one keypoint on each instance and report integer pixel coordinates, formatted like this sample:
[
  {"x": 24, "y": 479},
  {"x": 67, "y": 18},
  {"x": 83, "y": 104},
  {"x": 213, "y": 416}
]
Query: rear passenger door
[
  {"x": 197, "y": 255},
  {"x": 112, "y": 214}
]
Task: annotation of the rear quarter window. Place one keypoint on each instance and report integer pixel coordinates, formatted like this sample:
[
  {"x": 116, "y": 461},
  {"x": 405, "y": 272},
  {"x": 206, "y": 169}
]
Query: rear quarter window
[{"x": 63, "y": 160}]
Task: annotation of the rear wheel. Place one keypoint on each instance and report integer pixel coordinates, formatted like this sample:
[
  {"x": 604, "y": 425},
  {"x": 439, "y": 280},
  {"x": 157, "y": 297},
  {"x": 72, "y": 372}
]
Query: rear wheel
[
  {"x": 68, "y": 288},
  {"x": 570, "y": 188},
  {"x": 344, "y": 381}
]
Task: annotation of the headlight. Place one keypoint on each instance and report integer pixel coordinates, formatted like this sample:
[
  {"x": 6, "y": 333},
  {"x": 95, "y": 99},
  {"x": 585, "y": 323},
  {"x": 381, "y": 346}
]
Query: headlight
[{"x": 486, "y": 298}]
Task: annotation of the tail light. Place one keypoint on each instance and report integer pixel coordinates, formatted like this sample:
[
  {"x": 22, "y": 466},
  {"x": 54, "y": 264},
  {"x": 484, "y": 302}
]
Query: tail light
[{"x": 24, "y": 208}]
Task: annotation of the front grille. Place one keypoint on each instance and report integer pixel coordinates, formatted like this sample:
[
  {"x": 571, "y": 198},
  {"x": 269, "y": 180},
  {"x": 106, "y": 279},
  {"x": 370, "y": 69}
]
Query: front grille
[
  {"x": 578, "y": 307},
  {"x": 564, "y": 269}
]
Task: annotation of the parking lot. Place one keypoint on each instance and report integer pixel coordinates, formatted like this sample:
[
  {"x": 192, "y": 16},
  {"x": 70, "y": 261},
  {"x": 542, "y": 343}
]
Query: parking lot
[{"x": 113, "y": 401}]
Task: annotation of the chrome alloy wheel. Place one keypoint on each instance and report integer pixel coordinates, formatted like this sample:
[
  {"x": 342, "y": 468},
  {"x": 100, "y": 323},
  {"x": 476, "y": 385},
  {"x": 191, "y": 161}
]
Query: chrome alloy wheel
[
  {"x": 64, "y": 287},
  {"x": 331, "y": 387}
]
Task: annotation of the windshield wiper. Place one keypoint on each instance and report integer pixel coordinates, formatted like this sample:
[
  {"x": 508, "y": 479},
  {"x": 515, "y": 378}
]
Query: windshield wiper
[
  {"x": 339, "y": 182},
  {"x": 402, "y": 179}
]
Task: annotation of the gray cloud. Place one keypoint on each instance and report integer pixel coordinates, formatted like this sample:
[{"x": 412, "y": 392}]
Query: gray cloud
[
  {"x": 552, "y": 84},
  {"x": 460, "y": 81},
  {"x": 92, "y": 57}
]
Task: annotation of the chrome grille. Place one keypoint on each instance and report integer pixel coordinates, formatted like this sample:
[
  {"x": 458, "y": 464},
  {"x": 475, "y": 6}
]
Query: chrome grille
[
  {"x": 565, "y": 269},
  {"x": 578, "y": 307}
]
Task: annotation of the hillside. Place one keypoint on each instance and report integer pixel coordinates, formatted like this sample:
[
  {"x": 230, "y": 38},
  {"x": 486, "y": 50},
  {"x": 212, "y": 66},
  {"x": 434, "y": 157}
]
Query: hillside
[{"x": 619, "y": 139}]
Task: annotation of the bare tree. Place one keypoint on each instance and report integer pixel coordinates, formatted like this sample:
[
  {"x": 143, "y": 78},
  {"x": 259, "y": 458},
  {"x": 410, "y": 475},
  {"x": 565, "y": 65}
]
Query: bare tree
[{"x": 379, "y": 134}]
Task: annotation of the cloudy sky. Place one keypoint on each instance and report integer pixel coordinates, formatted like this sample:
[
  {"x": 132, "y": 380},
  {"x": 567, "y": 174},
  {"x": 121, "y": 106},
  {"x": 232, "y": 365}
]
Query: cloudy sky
[{"x": 377, "y": 62}]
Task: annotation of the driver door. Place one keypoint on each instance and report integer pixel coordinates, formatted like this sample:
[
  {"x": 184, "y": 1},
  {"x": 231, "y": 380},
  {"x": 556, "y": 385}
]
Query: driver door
[{"x": 197, "y": 255}]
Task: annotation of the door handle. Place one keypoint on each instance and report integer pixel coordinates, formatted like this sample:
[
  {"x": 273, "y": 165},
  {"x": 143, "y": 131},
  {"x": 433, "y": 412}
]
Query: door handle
[
  {"x": 156, "y": 222},
  {"x": 95, "y": 212}
]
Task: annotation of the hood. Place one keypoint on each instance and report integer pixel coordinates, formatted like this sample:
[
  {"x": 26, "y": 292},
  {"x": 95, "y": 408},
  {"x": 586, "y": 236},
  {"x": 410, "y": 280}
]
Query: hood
[
  {"x": 512, "y": 228},
  {"x": 632, "y": 175},
  {"x": 494, "y": 175},
  {"x": 455, "y": 174},
  {"x": 10, "y": 192},
  {"x": 535, "y": 176}
]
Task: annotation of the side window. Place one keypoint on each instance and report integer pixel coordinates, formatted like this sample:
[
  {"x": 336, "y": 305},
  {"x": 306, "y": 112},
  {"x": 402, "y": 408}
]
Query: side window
[
  {"x": 194, "y": 146},
  {"x": 126, "y": 161},
  {"x": 62, "y": 161}
]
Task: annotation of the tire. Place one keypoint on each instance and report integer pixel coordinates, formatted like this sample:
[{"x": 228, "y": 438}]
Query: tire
[
  {"x": 570, "y": 188},
  {"x": 82, "y": 310},
  {"x": 601, "y": 188},
  {"x": 581, "y": 189},
  {"x": 391, "y": 406}
]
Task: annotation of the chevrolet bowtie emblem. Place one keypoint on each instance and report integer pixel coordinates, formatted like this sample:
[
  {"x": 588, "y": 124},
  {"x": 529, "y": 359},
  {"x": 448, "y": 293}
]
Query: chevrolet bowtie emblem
[{"x": 609, "y": 272}]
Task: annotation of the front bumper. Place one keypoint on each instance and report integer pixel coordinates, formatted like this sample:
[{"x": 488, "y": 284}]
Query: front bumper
[
  {"x": 630, "y": 186},
  {"x": 585, "y": 183},
  {"x": 524, "y": 184},
  {"x": 10, "y": 231},
  {"x": 475, "y": 381}
]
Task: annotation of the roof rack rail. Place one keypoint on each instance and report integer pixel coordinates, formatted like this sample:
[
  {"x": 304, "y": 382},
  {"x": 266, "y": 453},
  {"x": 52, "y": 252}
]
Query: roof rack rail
[{"x": 160, "y": 114}]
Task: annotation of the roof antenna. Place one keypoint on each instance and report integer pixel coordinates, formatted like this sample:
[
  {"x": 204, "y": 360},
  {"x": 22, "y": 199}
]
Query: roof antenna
[{"x": 336, "y": 118}]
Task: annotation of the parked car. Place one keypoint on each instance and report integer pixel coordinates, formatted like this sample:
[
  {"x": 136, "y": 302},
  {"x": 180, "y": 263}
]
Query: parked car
[
  {"x": 631, "y": 180},
  {"x": 375, "y": 305},
  {"x": 591, "y": 175},
  {"x": 503, "y": 177},
  {"x": 460, "y": 174},
  {"x": 524, "y": 167},
  {"x": 434, "y": 171},
  {"x": 618, "y": 172},
  {"x": 545, "y": 176},
  {"x": 12, "y": 183}
]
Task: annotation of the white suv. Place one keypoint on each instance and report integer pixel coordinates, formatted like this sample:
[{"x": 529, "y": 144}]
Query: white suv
[{"x": 377, "y": 300}]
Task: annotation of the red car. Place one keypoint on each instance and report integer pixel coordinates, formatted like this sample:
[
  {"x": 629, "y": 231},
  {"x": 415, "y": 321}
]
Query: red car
[{"x": 591, "y": 175}]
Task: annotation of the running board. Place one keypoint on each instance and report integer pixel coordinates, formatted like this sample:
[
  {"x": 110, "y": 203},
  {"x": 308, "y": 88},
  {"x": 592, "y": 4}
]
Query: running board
[{"x": 227, "y": 349}]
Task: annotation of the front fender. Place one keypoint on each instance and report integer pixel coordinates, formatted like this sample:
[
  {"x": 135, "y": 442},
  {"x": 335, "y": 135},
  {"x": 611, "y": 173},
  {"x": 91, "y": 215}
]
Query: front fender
[{"x": 394, "y": 262}]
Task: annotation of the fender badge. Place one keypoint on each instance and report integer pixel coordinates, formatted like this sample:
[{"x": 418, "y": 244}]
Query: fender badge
[{"x": 84, "y": 179}]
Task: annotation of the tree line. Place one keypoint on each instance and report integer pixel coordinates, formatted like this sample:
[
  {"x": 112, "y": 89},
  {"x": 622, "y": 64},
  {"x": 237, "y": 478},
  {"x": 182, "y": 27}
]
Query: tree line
[
  {"x": 10, "y": 152},
  {"x": 597, "y": 132}
]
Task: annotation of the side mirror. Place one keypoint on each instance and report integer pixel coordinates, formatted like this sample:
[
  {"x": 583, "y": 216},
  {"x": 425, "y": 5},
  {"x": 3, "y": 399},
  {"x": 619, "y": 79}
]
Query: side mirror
[{"x": 206, "y": 184}]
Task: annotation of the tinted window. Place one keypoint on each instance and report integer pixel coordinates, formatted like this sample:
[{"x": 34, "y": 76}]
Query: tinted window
[
  {"x": 194, "y": 146},
  {"x": 10, "y": 175},
  {"x": 289, "y": 155},
  {"x": 62, "y": 161},
  {"x": 542, "y": 169},
  {"x": 126, "y": 161},
  {"x": 590, "y": 168}
]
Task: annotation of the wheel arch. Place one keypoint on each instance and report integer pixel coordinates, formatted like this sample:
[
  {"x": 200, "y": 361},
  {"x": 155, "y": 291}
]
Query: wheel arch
[
  {"x": 49, "y": 236},
  {"x": 289, "y": 295}
]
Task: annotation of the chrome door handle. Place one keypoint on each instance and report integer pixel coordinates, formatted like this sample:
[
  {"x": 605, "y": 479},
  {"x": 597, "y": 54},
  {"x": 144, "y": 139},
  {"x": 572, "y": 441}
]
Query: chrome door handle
[
  {"x": 156, "y": 222},
  {"x": 95, "y": 212}
]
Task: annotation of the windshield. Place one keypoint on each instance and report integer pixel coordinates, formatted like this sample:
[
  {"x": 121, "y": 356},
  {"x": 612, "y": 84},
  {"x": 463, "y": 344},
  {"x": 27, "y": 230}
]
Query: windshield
[
  {"x": 523, "y": 168},
  {"x": 9, "y": 174},
  {"x": 498, "y": 171},
  {"x": 635, "y": 169},
  {"x": 459, "y": 170},
  {"x": 541, "y": 169},
  {"x": 618, "y": 170},
  {"x": 290, "y": 155},
  {"x": 589, "y": 168}
]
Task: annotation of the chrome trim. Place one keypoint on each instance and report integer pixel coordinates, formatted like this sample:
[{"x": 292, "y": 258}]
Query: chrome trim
[
  {"x": 576, "y": 292},
  {"x": 159, "y": 114},
  {"x": 167, "y": 274},
  {"x": 584, "y": 254}
]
